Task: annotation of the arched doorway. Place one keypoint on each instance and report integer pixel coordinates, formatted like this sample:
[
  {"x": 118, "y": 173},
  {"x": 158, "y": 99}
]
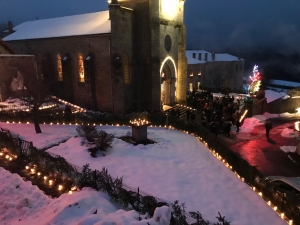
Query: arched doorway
[{"x": 168, "y": 83}]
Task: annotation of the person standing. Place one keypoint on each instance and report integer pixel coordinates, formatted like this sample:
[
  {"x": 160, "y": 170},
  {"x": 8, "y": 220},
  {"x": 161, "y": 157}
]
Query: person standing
[
  {"x": 237, "y": 124},
  {"x": 188, "y": 113},
  {"x": 178, "y": 113},
  {"x": 193, "y": 117},
  {"x": 268, "y": 126}
]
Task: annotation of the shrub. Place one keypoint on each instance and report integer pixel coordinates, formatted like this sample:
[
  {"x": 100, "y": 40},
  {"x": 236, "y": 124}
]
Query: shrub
[
  {"x": 103, "y": 140},
  {"x": 87, "y": 131}
]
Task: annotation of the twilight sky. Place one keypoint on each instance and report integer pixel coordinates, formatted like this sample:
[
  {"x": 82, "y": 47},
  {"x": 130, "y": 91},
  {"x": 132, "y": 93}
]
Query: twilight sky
[{"x": 215, "y": 25}]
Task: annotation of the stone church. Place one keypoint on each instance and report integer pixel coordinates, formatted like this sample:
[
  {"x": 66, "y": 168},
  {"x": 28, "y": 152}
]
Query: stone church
[{"x": 132, "y": 55}]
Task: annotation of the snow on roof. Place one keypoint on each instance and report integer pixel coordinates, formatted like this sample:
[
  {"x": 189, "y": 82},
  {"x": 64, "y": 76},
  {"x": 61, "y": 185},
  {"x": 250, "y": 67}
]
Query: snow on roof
[
  {"x": 284, "y": 83},
  {"x": 83, "y": 24},
  {"x": 273, "y": 95},
  {"x": 221, "y": 57}
]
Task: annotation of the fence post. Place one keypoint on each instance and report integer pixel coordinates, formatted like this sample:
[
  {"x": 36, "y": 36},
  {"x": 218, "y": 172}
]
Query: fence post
[{"x": 138, "y": 207}]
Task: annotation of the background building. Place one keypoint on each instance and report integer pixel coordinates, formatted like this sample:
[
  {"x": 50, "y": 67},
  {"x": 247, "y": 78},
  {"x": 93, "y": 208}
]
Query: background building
[
  {"x": 214, "y": 71},
  {"x": 131, "y": 55}
]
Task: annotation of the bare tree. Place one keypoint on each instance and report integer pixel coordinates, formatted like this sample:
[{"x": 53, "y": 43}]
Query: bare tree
[{"x": 35, "y": 93}]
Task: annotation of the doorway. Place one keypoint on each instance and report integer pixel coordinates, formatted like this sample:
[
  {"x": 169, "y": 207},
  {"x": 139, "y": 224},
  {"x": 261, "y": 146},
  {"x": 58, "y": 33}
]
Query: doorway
[{"x": 168, "y": 88}]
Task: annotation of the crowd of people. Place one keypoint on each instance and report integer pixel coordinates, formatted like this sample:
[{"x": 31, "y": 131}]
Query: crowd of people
[{"x": 219, "y": 114}]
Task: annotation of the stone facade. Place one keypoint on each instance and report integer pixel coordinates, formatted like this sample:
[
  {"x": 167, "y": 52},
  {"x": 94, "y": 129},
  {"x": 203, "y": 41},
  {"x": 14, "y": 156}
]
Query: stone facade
[
  {"x": 214, "y": 71},
  {"x": 123, "y": 69},
  {"x": 159, "y": 48},
  {"x": 95, "y": 92}
]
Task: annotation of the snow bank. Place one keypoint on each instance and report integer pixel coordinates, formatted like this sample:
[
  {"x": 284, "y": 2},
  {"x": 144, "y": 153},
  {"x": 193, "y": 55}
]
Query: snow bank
[
  {"x": 289, "y": 133},
  {"x": 23, "y": 203},
  {"x": 19, "y": 199},
  {"x": 288, "y": 148}
]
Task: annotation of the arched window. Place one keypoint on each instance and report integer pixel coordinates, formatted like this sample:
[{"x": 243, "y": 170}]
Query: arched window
[
  {"x": 199, "y": 72},
  {"x": 59, "y": 68},
  {"x": 191, "y": 72},
  {"x": 80, "y": 68}
]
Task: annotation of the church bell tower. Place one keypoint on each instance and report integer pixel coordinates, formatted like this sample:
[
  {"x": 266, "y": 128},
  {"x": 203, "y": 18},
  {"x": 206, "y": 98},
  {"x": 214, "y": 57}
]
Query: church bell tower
[{"x": 158, "y": 62}]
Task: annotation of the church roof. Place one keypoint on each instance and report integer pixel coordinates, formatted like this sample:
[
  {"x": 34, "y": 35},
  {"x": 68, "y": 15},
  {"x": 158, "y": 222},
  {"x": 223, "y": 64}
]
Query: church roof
[
  {"x": 220, "y": 57},
  {"x": 76, "y": 25}
]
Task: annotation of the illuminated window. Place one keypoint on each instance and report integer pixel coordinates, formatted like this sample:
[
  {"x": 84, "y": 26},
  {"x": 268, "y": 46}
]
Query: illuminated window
[
  {"x": 199, "y": 72},
  {"x": 198, "y": 85},
  {"x": 59, "y": 68},
  {"x": 191, "y": 86},
  {"x": 191, "y": 73},
  {"x": 80, "y": 68}
]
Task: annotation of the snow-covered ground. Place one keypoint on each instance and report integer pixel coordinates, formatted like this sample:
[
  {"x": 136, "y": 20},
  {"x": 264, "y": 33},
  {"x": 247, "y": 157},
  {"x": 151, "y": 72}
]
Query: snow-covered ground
[
  {"x": 177, "y": 167},
  {"x": 24, "y": 204}
]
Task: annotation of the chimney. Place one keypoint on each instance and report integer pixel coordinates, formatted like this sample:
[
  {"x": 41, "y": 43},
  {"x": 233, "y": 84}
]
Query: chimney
[
  {"x": 199, "y": 56},
  {"x": 206, "y": 56},
  {"x": 213, "y": 56},
  {"x": 10, "y": 27}
]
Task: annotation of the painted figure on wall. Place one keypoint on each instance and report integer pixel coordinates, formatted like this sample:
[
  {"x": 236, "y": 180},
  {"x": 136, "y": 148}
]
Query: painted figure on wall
[{"x": 17, "y": 83}]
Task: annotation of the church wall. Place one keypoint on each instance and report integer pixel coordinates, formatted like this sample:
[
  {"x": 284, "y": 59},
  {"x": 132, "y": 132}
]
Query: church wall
[
  {"x": 9, "y": 66},
  {"x": 149, "y": 31},
  {"x": 163, "y": 24},
  {"x": 96, "y": 45},
  {"x": 182, "y": 68},
  {"x": 124, "y": 88},
  {"x": 141, "y": 61}
]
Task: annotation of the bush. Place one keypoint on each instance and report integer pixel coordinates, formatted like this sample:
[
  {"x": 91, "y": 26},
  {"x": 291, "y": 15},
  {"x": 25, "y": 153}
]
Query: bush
[
  {"x": 87, "y": 131},
  {"x": 103, "y": 140}
]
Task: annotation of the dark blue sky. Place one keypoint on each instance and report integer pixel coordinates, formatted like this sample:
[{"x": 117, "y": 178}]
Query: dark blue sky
[{"x": 215, "y": 25}]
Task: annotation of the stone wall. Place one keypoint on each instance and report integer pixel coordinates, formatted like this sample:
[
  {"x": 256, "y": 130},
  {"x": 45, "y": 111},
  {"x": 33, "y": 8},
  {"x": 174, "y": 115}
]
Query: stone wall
[
  {"x": 9, "y": 66},
  {"x": 96, "y": 92},
  {"x": 283, "y": 105},
  {"x": 124, "y": 92}
]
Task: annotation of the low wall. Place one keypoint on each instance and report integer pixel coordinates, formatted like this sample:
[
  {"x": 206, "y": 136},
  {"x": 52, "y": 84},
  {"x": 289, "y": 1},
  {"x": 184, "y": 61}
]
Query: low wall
[{"x": 283, "y": 105}]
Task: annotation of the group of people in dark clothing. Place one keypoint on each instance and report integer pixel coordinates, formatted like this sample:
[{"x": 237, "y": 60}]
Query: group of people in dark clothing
[{"x": 219, "y": 114}]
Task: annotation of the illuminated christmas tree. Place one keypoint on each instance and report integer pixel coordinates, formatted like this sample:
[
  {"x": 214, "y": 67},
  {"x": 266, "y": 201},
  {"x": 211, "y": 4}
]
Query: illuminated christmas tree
[{"x": 256, "y": 82}]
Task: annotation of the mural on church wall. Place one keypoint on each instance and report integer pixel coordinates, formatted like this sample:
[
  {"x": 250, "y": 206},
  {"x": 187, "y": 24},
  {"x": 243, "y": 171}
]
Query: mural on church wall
[{"x": 17, "y": 83}]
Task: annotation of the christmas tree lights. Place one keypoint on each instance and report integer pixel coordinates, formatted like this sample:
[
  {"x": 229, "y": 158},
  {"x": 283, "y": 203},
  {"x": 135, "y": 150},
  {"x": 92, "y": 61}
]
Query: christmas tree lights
[{"x": 256, "y": 80}]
